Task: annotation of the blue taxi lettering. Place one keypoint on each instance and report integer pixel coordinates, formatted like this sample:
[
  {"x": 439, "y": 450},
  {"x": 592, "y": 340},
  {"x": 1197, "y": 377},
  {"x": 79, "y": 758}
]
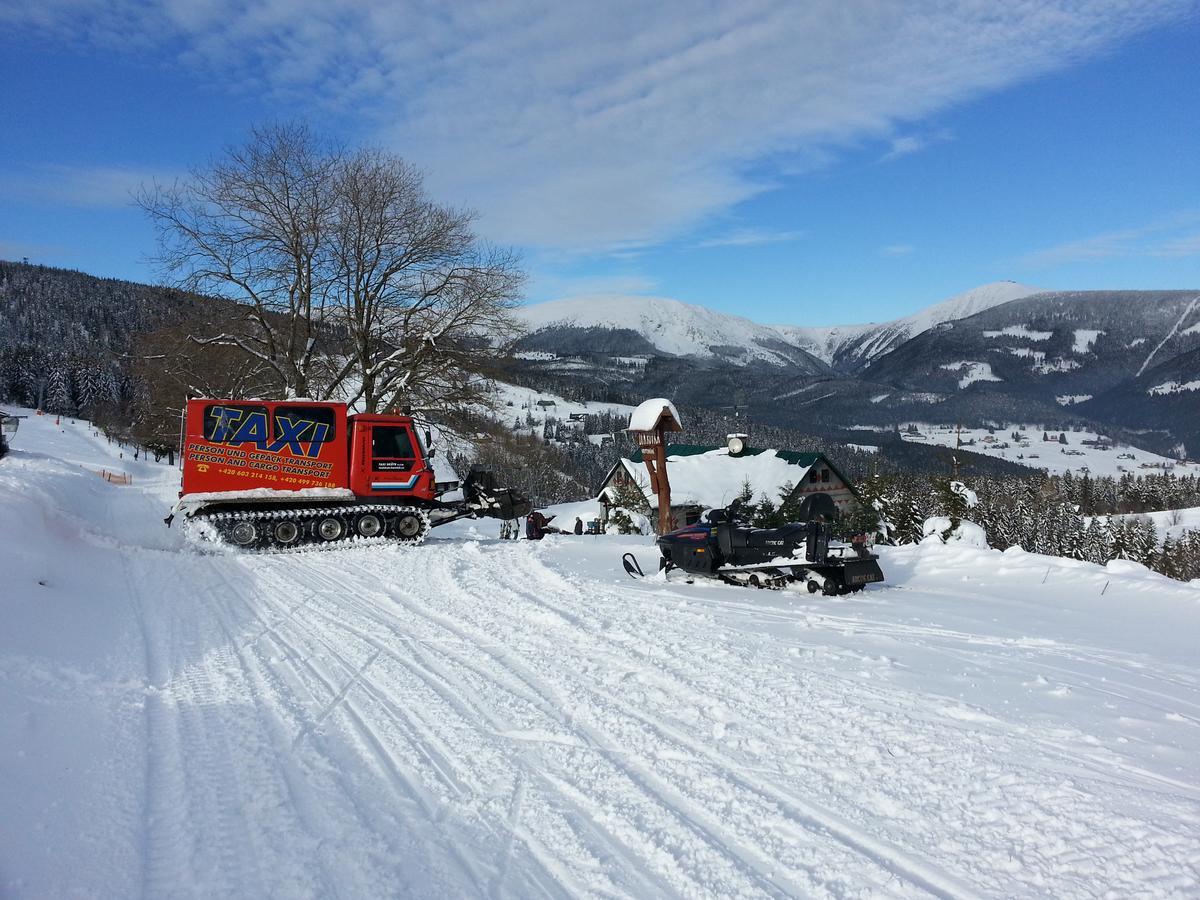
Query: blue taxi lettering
[
  {"x": 320, "y": 436},
  {"x": 252, "y": 430},
  {"x": 227, "y": 418},
  {"x": 290, "y": 435}
]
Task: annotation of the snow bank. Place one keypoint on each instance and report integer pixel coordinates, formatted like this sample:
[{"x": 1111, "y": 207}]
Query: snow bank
[
  {"x": 474, "y": 717},
  {"x": 967, "y": 533},
  {"x": 314, "y": 493}
]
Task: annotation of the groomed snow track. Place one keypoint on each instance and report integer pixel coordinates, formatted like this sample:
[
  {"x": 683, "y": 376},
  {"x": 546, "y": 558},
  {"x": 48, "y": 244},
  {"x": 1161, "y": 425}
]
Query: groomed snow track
[{"x": 517, "y": 719}]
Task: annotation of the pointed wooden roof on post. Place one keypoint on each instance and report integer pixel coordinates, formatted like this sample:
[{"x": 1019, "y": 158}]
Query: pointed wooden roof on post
[{"x": 649, "y": 424}]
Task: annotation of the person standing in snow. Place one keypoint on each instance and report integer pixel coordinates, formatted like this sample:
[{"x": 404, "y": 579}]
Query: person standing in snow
[{"x": 578, "y": 525}]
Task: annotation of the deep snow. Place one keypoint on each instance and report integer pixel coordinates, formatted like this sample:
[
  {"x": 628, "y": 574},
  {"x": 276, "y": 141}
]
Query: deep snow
[{"x": 472, "y": 717}]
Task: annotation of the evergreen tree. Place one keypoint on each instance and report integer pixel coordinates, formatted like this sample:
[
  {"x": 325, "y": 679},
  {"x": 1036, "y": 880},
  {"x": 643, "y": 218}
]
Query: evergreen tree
[
  {"x": 765, "y": 513},
  {"x": 58, "y": 391},
  {"x": 789, "y": 503}
]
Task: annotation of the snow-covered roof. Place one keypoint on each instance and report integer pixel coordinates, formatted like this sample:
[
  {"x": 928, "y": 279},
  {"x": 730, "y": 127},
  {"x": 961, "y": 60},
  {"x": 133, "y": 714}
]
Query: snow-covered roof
[
  {"x": 646, "y": 416},
  {"x": 715, "y": 478}
]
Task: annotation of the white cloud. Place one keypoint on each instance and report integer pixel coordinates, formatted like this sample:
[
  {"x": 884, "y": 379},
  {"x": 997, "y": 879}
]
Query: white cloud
[
  {"x": 750, "y": 237},
  {"x": 903, "y": 146},
  {"x": 1184, "y": 245},
  {"x": 1171, "y": 236},
  {"x": 908, "y": 144},
  {"x": 95, "y": 187},
  {"x": 583, "y": 125}
]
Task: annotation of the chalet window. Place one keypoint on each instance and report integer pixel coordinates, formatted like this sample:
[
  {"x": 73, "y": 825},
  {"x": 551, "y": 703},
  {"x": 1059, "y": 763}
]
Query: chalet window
[
  {"x": 222, "y": 421},
  {"x": 814, "y": 476},
  {"x": 305, "y": 423},
  {"x": 825, "y": 475}
]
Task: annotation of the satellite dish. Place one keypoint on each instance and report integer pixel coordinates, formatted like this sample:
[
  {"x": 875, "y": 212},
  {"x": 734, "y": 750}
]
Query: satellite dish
[{"x": 736, "y": 445}]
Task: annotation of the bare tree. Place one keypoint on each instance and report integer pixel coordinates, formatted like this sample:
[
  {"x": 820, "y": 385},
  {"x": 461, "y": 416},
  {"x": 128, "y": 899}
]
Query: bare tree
[
  {"x": 354, "y": 283},
  {"x": 421, "y": 301},
  {"x": 167, "y": 366},
  {"x": 251, "y": 228}
]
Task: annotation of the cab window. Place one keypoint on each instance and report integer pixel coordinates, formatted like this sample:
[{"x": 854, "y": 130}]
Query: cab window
[
  {"x": 315, "y": 424},
  {"x": 391, "y": 442}
]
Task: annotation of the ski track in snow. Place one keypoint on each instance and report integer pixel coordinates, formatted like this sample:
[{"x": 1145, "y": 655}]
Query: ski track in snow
[
  {"x": 496, "y": 719},
  {"x": 1170, "y": 334}
]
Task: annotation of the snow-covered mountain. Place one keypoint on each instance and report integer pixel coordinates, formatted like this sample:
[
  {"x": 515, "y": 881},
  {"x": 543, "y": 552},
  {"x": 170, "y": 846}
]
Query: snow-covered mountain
[
  {"x": 1001, "y": 351},
  {"x": 854, "y": 347},
  {"x": 663, "y": 326},
  {"x": 658, "y": 325}
]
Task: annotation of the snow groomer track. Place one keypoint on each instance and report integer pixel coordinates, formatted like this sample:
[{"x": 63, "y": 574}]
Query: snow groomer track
[{"x": 522, "y": 720}]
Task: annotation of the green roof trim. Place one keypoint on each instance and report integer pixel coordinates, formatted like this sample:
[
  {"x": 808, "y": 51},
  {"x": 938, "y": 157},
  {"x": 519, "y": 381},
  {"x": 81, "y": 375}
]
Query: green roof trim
[{"x": 794, "y": 457}]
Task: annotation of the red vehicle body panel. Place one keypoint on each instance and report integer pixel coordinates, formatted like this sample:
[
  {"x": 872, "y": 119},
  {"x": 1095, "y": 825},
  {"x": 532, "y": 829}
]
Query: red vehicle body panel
[
  {"x": 387, "y": 459},
  {"x": 239, "y": 445}
]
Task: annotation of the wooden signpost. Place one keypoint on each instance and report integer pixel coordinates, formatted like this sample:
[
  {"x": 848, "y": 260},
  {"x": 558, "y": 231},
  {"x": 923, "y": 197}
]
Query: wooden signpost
[{"x": 649, "y": 425}]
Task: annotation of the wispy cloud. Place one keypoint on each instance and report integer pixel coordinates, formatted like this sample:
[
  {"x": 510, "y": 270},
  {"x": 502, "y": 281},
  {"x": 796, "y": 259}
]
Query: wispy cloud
[
  {"x": 578, "y": 125},
  {"x": 749, "y": 237},
  {"x": 897, "y": 250},
  {"x": 1185, "y": 245},
  {"x": 1172, "y": 236},
  {"x": 93, "y": 187},
  {"x": 904, "y": 146},
  {"x": 908, "y": 144}
]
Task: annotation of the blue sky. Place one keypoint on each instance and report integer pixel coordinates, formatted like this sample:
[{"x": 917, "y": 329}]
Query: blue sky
[{"x": 806, "y": 163}]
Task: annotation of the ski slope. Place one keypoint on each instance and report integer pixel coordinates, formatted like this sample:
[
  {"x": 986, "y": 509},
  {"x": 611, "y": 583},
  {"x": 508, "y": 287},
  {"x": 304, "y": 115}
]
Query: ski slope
[
  {"x": 514, "y": 719},
  {"x": 1076, "y": 456}
]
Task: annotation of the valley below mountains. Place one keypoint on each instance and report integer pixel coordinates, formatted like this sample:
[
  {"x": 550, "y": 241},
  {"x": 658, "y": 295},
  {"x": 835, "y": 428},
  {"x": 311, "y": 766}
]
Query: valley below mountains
[
  {"x": 1125, "y": 362},
  {"x": 1121, "y": 363}
]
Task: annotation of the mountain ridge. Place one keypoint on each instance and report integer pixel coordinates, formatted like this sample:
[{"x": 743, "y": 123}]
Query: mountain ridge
[{"x": 677, "y": 328}]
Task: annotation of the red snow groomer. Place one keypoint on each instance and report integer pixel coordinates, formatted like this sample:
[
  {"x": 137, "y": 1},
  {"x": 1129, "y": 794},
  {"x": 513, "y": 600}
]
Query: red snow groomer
[{"x": 278, "y": 474}]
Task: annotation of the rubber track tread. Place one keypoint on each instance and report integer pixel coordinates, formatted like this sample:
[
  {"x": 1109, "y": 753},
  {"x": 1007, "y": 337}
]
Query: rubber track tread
[{"x": 305, "y": 518}]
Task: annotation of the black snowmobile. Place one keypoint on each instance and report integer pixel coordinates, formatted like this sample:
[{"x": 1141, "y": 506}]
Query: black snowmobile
[{"x": 719, "y": 547}]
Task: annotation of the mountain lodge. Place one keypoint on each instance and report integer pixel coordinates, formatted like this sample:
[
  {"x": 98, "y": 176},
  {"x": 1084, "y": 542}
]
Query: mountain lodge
[{"x": 711, "y": 477}]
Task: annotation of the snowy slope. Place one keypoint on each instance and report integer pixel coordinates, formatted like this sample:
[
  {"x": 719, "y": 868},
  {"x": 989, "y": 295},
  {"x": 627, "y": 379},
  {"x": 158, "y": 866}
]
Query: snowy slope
[
  {"x": 673, "y": 327},
  {"x": 1031, "y": 450},
  {"x": 514, "y": 400},
  {"x": 862, "y": 344},
  {"x": 1169, "y": 523},
  {"x": 473, "y": 717},
  {"x": 684, "y": 329}
]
